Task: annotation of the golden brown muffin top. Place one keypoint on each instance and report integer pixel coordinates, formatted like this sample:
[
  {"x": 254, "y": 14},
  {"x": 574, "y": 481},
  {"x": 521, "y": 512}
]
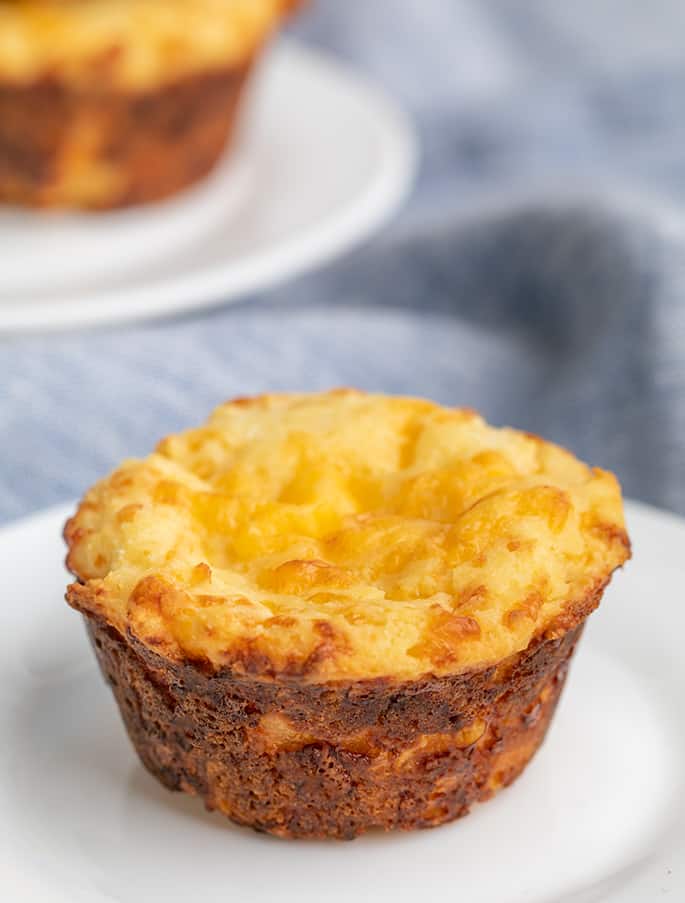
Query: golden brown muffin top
[
  {"x": 346, "y": 536},
  {"x": 131, "y": 43}
]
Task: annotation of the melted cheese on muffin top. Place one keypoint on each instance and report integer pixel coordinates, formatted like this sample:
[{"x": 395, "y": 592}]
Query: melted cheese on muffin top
[
  {"x": 133, "y": 43},
  {"x": 346, "y": 536}
]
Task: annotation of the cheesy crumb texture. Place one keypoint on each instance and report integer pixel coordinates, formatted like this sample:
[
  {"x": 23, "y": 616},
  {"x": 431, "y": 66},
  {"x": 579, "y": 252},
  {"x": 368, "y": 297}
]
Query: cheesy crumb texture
[
  {"x": 346, "y": 536},
  {"x": 131, "y": 43}
]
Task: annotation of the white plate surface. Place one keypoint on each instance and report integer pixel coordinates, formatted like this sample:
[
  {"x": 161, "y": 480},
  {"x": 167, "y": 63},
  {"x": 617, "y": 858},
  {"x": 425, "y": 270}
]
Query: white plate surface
[
  {"x": 598, "y": 815},
  {"x": 322, "y": 159}
]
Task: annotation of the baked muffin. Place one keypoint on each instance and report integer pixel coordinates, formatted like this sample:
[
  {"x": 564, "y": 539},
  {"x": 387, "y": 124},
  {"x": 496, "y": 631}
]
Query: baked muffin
[
  {"x": 335, "y": 612},
  {"x": 105, "y": 103}
]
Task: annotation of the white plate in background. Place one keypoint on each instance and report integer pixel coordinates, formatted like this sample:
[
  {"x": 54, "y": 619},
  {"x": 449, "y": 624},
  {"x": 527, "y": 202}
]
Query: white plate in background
[
  {"x": 598, "y": 815},
  {"x": 321, "y": 160}
]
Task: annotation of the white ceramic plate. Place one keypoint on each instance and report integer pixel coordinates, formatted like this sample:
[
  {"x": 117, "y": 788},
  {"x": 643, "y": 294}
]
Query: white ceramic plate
[
  {"x": 322, "y": 159},
  {"x": 598, "y": 815}
]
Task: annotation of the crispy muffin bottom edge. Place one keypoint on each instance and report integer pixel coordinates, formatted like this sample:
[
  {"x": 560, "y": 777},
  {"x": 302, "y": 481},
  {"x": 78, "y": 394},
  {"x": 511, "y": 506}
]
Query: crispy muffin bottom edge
[
  {"x": 335, "y": 760},
  {"x": 106, "y": 148}
]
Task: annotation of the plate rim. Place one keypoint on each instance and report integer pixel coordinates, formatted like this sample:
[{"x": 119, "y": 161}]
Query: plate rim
[{"x": 634, "y": 883}]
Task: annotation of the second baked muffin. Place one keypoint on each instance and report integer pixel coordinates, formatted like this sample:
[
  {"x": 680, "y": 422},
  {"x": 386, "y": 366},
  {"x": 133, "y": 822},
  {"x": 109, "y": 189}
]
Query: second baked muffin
[
  {"x": 329, "y": 613},
  {"x": 106, "y": 103}
]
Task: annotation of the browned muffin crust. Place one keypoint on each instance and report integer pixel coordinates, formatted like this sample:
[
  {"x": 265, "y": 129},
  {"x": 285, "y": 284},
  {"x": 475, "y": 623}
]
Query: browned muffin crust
[
  {"x": 327, "y": 614},
  {"x": 337, "y": 759},
  {"x": 121, "y": 147}
]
